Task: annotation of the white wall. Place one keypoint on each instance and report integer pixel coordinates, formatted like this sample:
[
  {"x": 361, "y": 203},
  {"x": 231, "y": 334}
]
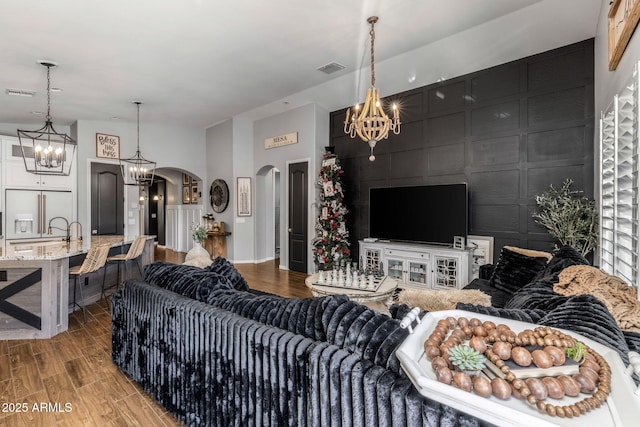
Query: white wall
[
  {"x": 219, "y": 155},
  {"x": 178, "y": 147},
  {"x": 244, "y": 227},
  {"x": 312, "y": 124},
  {"x": 608, "y": 83}
]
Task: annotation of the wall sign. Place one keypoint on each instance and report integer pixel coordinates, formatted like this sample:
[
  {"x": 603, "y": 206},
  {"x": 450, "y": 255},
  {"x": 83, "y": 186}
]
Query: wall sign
[
  {"x": 279, "y": 141},
  {"x": 107, "y": 146},
  {"x": 622, "y": 21}
]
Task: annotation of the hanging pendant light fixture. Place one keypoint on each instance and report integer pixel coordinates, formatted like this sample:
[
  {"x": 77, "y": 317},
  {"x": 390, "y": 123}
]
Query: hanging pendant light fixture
[
  {"x": 45, "y": 151},
  {"x": 137, "y": 170},
  {"x": 371, "y": 123}
]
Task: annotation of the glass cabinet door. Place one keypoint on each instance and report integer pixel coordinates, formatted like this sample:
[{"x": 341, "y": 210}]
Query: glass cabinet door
[
  {"x": 395, "y": 268},
  {"x": 446, "y": 271},
  {"x": 418, "y": 272}
]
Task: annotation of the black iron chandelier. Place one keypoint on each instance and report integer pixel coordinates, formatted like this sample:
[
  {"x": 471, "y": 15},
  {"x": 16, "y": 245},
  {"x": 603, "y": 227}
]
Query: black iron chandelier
[
  {"x": 137, "y": 170},
  {"x": 45, "y": 151}
]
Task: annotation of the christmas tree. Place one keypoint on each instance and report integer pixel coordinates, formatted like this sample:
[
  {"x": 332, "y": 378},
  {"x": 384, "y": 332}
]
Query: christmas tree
[{"x": 331, "y": 247}]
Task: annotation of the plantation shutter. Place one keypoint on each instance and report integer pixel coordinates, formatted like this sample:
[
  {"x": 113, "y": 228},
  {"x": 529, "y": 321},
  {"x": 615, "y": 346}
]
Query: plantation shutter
[{"x": 619, "y": 215}]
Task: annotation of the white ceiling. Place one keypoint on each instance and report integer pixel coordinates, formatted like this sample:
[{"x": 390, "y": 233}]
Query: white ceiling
[{"x": 200, "y": 62}]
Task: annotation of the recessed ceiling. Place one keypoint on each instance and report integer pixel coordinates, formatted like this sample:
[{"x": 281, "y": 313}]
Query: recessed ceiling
[{"x": 199, "y": 62}]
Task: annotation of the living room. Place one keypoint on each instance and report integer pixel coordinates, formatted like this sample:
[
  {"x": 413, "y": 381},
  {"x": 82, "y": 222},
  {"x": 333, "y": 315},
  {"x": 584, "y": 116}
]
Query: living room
[{"x": 574, "y": 56}]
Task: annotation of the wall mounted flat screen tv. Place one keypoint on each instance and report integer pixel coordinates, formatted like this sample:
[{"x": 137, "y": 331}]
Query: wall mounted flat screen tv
[{"x": 426, "y": 214}]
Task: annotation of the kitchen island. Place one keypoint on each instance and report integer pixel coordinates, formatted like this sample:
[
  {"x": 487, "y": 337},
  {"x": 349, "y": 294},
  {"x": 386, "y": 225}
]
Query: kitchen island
[{"x": 34, "y": 283}]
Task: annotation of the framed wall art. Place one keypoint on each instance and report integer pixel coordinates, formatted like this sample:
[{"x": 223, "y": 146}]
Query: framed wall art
[
  {"x": 186, "y": 195},
  {"x": 482, "y": 252},
  {"x": 622, "y": 21},
  {"x": 244, "y": 196},
  {"x": 194, "y": 194},
  {"x": 107, "y": 146}
]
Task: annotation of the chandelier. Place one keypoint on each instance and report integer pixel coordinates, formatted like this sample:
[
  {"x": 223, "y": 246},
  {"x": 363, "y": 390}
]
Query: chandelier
[
  {"x": 137, "y": 170},
  {"x": 45, "y": 151},
  {"x": 371, "y": 123}
]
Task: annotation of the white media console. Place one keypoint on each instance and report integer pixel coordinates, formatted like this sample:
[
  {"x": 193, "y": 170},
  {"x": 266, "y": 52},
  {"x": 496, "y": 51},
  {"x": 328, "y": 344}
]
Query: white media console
[{"x": 419, "y": 266}]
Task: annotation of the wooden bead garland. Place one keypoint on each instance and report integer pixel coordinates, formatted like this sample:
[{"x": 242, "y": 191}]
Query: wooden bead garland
[{"x": 482, "y": 336}]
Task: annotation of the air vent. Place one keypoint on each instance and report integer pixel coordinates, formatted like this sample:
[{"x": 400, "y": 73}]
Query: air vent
[
  {"x": 20, "y": 92},
  {"x": 331, "y": 67}
]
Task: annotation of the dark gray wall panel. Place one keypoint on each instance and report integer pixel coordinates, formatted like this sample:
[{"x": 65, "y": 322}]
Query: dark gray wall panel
[
  {"x": 412, "y": 139},
  {"x": 509, "y": 132},
  {"x": 496, "y": 83},
  {"x": 495, "y": 118},
  {"x": 413, "y": 107},
  {"x": 446, "y": 97},
  {"x": 495, "y": 187},
  {"x": 487, "y": 218},
  {"x": 406, "y": 164},
  {"x": 557, "y": 71},
  {"x": 443, "y": 129},
  {"x": 539, "y": 179},
  {"x": 557, "y": 106},
  {"x": 560, "y": 144},
  {"x": 495, "y": 151},
  {"x": 446, "y": 159}
]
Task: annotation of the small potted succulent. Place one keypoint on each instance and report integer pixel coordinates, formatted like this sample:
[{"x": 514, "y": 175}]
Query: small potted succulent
[{"x": 466, "y": 359}]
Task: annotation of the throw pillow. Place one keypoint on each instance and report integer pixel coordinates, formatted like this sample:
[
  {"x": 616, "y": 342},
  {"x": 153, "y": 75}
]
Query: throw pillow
[
  {"x": 223, "y": 266},
  {"x": 442, "y": 299},
  {"x": 516, "y": 267}
]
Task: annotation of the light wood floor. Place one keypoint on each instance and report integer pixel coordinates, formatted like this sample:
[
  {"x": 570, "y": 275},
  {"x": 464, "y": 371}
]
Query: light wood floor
[{"x": 75, "y": 369}]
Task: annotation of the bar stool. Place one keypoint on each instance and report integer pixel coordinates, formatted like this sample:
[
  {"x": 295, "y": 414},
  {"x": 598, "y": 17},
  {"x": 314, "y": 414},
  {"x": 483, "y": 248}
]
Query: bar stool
[
  {"x": 95, "y": 260},
  {"x": 134, "y": 252}
]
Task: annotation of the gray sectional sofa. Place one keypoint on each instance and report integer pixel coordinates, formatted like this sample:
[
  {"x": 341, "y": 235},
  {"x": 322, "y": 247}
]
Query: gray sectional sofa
[{"x": 213, "y": 354}]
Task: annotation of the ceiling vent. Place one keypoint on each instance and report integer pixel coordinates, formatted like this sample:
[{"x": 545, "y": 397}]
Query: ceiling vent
[
  {"x": 331, "y": 67},
  {"x": 20, "y": 92}
]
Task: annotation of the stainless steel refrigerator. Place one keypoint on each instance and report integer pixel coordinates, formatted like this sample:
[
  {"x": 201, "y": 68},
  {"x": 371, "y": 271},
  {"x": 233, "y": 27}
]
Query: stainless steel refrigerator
[{"x": 28, "y": 213}]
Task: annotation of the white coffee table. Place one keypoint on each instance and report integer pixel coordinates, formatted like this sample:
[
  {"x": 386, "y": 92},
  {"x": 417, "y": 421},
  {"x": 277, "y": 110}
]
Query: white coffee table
[{"x": 377, "y": 299}]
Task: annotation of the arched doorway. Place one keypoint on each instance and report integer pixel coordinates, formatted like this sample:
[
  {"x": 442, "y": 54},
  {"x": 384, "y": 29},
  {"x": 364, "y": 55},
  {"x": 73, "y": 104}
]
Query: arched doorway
[{"x": 268, "y": 218}]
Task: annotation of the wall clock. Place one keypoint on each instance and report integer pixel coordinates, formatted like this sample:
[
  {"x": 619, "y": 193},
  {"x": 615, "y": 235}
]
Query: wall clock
[{"x": 219, "y": 195}]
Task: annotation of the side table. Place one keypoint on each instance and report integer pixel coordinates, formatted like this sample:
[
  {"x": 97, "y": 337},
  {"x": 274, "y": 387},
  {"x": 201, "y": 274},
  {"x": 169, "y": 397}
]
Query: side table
[{"x": 216, "y": 243}]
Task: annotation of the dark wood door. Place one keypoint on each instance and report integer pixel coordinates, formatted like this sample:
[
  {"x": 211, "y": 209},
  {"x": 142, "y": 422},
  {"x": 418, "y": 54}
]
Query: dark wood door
[
  {"x": 107, "y": 203},
  {"x": 157, "y": 210},
  {"x": 298, "y": 197}
]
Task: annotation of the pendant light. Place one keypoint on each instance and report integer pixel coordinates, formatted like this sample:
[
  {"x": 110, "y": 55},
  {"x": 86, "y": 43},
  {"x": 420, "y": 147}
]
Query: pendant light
[
  {"x": 45, "y": 151},
  {"x": 371, "y": 123},
  {"x": 137, "y": 170}
]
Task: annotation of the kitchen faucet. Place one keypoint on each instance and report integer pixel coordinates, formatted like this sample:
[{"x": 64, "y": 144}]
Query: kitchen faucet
[
  {"x": 79, "y": 225},
  {"x": 67, "y": 230}
]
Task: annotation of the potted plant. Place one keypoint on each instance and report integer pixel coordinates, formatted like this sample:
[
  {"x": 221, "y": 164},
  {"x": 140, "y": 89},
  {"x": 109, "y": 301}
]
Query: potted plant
[
  {"x": 199, "y": 233},
  {"x": 569, "y": 217}
]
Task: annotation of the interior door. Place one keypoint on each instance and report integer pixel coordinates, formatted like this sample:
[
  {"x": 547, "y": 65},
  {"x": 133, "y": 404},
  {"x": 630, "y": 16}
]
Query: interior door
[
  {"x": 107, "y": 199},
  {"x": 298, "y": 211}
]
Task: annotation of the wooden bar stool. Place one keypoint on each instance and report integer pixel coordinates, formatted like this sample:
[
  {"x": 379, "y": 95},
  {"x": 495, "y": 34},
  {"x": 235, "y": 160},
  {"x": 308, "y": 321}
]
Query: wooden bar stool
[
  {"x": 133, "y": 254},
  {"x": 95, "y": 260}
]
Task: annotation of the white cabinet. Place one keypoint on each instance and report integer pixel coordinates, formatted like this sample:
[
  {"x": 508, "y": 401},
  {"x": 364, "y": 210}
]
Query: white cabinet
[
  {"x": 16, "y": 175},
  {"x": 419, "y": 266}
]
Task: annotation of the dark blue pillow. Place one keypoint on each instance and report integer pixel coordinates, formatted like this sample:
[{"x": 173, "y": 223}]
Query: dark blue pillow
[{"x": 224, "y": 267}]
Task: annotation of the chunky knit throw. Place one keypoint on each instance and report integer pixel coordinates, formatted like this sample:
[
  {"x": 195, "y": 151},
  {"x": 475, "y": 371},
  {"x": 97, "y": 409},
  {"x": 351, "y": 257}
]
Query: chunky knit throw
[{"x": 619, "y": 298}]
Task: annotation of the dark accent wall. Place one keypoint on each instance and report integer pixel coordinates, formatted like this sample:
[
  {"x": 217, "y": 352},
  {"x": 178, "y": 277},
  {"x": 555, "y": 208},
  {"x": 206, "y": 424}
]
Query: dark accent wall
[{"x": 509, "y": 132}]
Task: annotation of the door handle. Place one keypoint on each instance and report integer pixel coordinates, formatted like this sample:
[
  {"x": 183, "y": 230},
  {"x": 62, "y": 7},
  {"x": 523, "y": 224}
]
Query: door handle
[
  {"x": 289, "y": 230},
  {"x": 39, "y": 225},
  {"x": 44, "y": 212}
]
